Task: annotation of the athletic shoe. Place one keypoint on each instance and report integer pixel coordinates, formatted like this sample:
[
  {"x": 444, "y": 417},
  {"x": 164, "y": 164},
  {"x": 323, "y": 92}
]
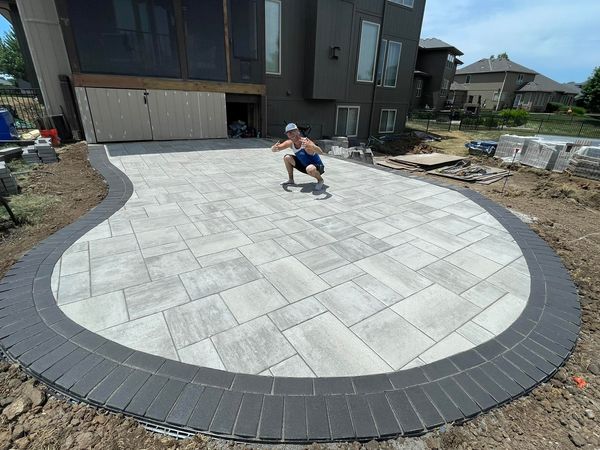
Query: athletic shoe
[
  {"x": 319, "y": 186},
  {"x": 288, "y": 182}
]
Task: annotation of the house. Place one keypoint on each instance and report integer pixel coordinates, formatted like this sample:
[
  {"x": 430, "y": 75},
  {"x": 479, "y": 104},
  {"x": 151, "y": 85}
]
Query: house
[
  {"x": 185, "y": 69},
  {"x": 535, "y": 95},
  {"x": 434, "y": 73},
  {"x": 489, "y": 83},
  {"x": 498, "y": 83}
]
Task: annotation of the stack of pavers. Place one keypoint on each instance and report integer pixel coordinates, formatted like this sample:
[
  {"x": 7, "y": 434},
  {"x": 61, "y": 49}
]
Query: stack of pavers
[
  {"x": 40, "y": 152},
  {"x": 586, "y": 163},
  {"x": 45, "y": 151},
  {"x": 509, "y": 143},
  {"x": 8, "y": 182}
]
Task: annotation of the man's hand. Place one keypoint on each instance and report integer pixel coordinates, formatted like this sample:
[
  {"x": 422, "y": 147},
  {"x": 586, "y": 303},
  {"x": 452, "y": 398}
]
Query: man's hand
[
  {"x": 275, "y": 147},
  {"x": 311, "y": 146}
]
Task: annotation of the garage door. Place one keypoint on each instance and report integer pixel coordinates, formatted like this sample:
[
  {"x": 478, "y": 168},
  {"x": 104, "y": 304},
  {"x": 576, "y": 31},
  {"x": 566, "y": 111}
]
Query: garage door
[{"x": 117, "y": 115}]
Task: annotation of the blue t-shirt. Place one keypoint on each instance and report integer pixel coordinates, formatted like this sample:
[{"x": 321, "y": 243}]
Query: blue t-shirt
[{"x": 306, "y": 158}]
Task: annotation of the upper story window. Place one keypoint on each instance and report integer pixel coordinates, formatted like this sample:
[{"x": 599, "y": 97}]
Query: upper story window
[
  {"x": 450, "y": 61},
  {"x": 369, "y": 36},
  {"x": 407, "y": 3},
  {"x": 418, "y": 87},
  {"x": 444, "y": 90},
  {"x": 273, "y": 36},
  {"x": 520, "y": 78},
  {"x": 389, "y": 61},
  {"x": 126, "y": 37},
  {"x": 468, "y": 79}
]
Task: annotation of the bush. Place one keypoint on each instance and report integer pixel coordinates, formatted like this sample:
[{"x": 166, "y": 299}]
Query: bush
[
  {"x": 553, "y": 107},
  {"x": 578, "y": 110},
  {"x": 490, "y": 122},
  {"x": 514, "y": 117}
]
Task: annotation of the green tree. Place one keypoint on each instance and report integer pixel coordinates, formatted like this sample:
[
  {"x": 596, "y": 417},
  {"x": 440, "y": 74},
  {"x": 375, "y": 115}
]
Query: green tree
[
  {"x": 503, "y": 56},
  {"x": 591, "y": 91},
  {"x": 11, "y": 58}
]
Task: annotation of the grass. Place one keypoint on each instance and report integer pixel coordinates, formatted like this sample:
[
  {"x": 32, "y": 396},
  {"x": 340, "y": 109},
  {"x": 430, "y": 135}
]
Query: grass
[{"x": 29, "y": 208}]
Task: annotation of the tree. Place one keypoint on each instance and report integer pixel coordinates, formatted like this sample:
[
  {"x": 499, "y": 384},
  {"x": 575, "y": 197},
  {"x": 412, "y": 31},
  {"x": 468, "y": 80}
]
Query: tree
[
  {"x": 591, "y": 91},
  {"x": 503, "y": 56},
  {"x": 11, "y": 58}
]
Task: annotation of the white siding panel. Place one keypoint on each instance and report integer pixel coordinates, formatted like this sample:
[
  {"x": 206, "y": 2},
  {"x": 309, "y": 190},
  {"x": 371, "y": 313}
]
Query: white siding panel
[{"x": 86, "y": 115}]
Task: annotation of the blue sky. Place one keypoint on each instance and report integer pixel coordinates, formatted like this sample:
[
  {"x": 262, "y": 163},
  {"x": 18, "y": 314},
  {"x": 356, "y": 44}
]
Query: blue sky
[{"x": 557, "y": 38}]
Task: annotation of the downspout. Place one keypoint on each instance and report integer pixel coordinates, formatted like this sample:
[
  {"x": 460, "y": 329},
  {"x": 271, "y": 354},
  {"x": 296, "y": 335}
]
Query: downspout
[
  {"x": 501, "y": 91},
  {"x": 380, "y": 37}
]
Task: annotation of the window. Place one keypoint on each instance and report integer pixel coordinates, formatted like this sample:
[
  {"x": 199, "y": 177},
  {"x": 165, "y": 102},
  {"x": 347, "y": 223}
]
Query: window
[
  {"x": 470, "y": 100},
  {"x": 450, "y": 61},
  {"x": 126, "y": 37},
  {"x": 346, "y": 122},
  {"x": 387, "y": 121},
  {"x": 369, "y": 37},
  {"x": 407, "y": 3},
  {"x": 496, "y": 96},
  {"x": 520, "y": 78},
  {"x": 392, "y": 61},
  {"x": 244, "y": 34},
  {"x": 418, "y": 88},
  {"x": 205, "y": 46},
  {"x": 518, "y": 100},
  {"x": 273, "y": 36},
  {"x": 444, "y": 90},
  {"x": 381, "y": 63},
  {"x": 468, "y": 79}
]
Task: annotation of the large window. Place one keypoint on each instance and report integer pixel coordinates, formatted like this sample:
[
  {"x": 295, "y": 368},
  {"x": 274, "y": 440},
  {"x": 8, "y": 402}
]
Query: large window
[
  {"x": 450, "y": 61},
  {"x": 204, "y": 29},
  {"x": 381, "y": 61},
  {"x": 468, "y": 79},
  {"x": 346, "y": 122},
  {"x": 273, "y": 36},
  {"x": 244, "y": 32},
  {"x": 126, "y": 37},
  {"x": 369, "y": 36},
  {"x": 444, "y": 90},
  {"x": 392, "y": 62},
  {"x": 418, "y": 87},
  {"x": 387, "y": 120}
]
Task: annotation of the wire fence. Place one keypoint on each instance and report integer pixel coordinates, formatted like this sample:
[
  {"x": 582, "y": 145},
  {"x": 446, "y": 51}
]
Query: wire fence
[
  {"x": 25, "y": 105},
  {"x": 534, "y": 124}
]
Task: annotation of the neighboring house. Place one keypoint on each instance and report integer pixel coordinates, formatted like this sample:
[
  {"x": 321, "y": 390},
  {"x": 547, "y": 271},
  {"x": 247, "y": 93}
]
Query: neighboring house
[
  {"x": 434, "y": 73},
  {"x": 489, "y": 83},
  {"x": 182, "y": 69},
  {"x": 536, "y": 94}
]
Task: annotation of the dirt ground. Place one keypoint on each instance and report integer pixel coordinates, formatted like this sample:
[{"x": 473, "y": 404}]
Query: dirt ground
[{"x": 556, "y": 415}]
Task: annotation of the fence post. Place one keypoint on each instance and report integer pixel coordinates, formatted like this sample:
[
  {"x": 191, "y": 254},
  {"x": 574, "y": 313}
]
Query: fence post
[
  {"x": 427, "y": 128},
  {"x": 450, "y": 122},
  {"x": 581, "y": 128},
  {"x": 540, "y": 127}
]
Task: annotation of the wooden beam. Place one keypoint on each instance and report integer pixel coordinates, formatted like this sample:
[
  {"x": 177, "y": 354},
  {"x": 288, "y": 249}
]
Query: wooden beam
[
  {"x": 227, "y": 47},
  {"x": 132, "y": 82}
]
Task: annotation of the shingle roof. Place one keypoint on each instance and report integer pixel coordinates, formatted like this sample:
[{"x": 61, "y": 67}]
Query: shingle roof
[
  {"x": 542, "y": 83},
  {"x": 488, "y": 65},
  {"x": 435, "y": 43}
]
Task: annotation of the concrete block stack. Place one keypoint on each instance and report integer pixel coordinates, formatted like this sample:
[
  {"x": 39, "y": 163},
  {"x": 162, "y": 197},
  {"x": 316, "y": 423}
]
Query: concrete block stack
[
  {"x": 45, "y": 151},
  {"x": 541, "y": 154},
  {"x": 30, "y": 156},
  {"x": 8, "y": 182},
  {"x": 509, "y": 143},
  {"x": 586, "y": 163}
]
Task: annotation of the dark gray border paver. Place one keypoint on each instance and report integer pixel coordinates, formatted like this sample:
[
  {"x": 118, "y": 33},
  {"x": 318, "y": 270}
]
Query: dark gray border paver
[{"x": 88, "y": 367}]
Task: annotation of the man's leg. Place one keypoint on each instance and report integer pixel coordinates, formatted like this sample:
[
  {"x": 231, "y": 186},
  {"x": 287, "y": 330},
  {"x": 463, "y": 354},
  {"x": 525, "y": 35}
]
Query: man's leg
[
  {"x": 289, "y": 165},
  {"x": 314, "y": 172}
]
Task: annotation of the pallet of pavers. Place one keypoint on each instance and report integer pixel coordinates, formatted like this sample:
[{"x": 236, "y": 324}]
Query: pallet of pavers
[
  {"x": 586, "y": 163},
  {"x": 508, "y": 143},
  {"x": 45, "y": 151},
  {"x": 540, "y": 154},
  {"x": 30, "y": 156},
  {"x": 8, "y": 182}
]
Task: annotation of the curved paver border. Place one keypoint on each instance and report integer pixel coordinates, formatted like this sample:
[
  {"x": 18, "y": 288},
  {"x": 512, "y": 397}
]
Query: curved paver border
[{"x": 90, "y": 368}]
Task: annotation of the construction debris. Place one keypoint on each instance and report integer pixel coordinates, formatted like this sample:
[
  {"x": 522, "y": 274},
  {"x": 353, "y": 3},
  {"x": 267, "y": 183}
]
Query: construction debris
[
  {"x": 41, "y": 152},
  {"x": 357, "y": 153},
  {"x": 8, "y": 182},
  {"x": 420, "y": 162},
  {"x": 473, "y": 173},
  {"x": 585, "y": 163}
]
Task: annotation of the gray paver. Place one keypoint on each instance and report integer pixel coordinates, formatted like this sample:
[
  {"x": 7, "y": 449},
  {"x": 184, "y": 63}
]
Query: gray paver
[
  {"x": 297, "y": 312},
  {"x": 149, "y": 298},
  {"x": 75, "y": 263},
  {"x": 253, "y": 299},
  {"x": 263, "y": 252},
  {"x": 377, "y": 289},
  {"x": 96, "y": 313},
  {"x": 218, "y": 242},
  {"x": 162, "y": 266},
  {"x": 323, "y": 343},
  {"x": 292, "y": 367},
  {"x": 353, "y": 249},
  {"x": 148, "y": 239},
  {"x": 501, "y": 314},
  {"x": 473, "y": 263},
  {"x": 216, "y": 258},
  {"x": 474, "y": 333},
  {"x": 450, "y": 276},
  {"x": 496, "y": 249},
  {"x": 349, "y": 303},
  {"x": 450, "y": 345},
  {"x": 313, "y": 238},
  {"x": 342, "y": 274},
  {"x": 202, "y": 354},
  {"x": 252, "y": 347},
  {"x": 513, "y": 281},
  {"x": 292, "y": 279},
  {"x": 321, "y": 260},
  {"x": 411, "y": 256},
  {"x": 115, "y": 272},
  {"x": 483, "y": 294},
  {"x": 73, "y": 288},
  {"x": 197, "y": 320}
]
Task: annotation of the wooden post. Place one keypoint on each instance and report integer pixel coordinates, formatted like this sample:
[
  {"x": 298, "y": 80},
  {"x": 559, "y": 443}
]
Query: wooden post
[{"x": 227, "y": 41}]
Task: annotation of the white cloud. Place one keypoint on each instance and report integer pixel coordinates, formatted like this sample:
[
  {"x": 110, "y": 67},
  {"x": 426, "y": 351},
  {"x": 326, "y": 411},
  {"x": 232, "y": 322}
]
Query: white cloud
[{"x": 554, "y": 37}]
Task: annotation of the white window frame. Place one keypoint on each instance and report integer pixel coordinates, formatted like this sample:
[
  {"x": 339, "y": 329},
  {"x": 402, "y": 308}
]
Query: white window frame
[
  {"x": 387, "y": 54},
  {"x": 518, "y": 100},
  {"x": 279, "y": 53},
  {"x": 520, "y": 78},
  {"x": 377, "y": 43},
  {"x": 395, "y": 111},
  {"x": 450, "y": 61},
  {"x": 445, "y": 86},
  {"x": 418, "y": 87},
  {"x": 407, "y": 3},
  {"x": 337, "y": 115},
  {"x": 384, "y": 44},
  {"x": 468, "y": 79}
]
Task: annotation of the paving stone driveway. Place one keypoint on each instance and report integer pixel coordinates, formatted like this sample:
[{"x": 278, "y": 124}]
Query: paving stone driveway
[{"x": 212, "y": 262}]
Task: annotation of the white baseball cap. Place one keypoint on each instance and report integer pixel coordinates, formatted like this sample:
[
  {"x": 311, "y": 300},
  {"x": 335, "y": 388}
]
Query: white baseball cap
[{"x": 290, "y": 127}]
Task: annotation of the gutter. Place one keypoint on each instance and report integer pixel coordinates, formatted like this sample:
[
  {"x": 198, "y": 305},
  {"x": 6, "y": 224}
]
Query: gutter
[
  {"x": 380, "y": 37},
  {"x": 501, "y": 90}
]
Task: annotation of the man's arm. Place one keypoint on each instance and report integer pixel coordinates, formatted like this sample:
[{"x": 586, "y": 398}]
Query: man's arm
[
  {"x": 311, "y": 147},
  {"x": 281, "y": 146}
]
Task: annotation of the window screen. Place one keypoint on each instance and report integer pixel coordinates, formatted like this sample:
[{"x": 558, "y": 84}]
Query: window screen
[
  {"x": 205, "y": 39},
  {"x": 366, "y": 56},
  {"x": 125, "y": 37},
  {"x": 392, "y": 62},
  {"x": 273, "y": 35},
  {"x": 244, "y": 29}
]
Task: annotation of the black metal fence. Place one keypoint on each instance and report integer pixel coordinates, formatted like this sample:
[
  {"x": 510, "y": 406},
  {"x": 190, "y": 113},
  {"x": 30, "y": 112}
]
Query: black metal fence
[
  {"x": 25, "y": 105},
  {"x": 533, "y": 124}
]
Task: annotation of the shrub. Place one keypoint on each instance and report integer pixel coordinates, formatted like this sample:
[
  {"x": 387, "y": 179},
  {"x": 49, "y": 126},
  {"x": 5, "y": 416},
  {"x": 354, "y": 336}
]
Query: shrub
[
  {"x": 578, "y": 110},
  {"x": 514, "y": 117},
  {"x": 490, "y": 122},
  {"x": 553, "y": 107}
]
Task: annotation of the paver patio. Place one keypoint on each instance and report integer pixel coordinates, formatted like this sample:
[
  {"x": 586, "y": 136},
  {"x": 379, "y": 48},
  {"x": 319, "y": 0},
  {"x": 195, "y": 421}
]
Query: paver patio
[{"x": 211, "y": 262}]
